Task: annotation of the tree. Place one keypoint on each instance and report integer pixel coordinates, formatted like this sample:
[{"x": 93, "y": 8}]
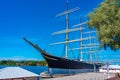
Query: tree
[{"x": 106, "y": 20}]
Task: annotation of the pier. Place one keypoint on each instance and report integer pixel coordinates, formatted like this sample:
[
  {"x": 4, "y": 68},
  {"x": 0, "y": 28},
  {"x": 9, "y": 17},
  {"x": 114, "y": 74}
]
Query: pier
[{"x": 83, "y": 76}]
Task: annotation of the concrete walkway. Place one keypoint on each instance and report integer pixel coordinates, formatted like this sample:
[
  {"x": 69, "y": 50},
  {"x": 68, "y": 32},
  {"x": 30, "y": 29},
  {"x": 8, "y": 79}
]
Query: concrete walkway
[{"x": 84, "y": 76}]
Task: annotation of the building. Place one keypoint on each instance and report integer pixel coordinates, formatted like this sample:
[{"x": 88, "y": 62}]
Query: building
[
  {"x": 110, "y": 69},
  {"x": 17, "y": 73}
]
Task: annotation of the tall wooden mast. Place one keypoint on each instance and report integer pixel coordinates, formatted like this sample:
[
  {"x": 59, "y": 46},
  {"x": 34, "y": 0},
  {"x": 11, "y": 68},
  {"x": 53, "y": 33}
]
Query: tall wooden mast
[
  {"x": 67, "y": 30},
  {"x": 81, "y": 47},
  {"x": 66, "y": 40}
]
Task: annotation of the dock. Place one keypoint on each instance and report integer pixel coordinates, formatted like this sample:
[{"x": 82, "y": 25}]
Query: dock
[{"x": 83, "y": 76}]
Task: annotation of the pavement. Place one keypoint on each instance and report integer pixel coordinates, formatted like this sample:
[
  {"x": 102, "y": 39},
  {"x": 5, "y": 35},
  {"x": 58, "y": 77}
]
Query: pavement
[{"x": 83, "y": 76}]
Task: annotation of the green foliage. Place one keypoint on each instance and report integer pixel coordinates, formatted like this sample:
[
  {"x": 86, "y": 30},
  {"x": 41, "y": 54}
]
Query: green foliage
[
  {"x": 106, "y": 20},
  {"x": 23, "y": 63},
  {"x": 9, "y": 62}
]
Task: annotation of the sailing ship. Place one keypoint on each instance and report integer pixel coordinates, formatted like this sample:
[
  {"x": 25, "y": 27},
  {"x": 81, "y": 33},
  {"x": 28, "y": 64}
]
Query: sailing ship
[{"x": 63, "y": 65}]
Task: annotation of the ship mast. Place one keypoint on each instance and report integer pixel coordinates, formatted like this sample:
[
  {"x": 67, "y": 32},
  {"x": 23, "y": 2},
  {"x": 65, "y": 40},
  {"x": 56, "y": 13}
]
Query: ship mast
[
  {"x": 66, "y": 40},
  {"x": 90, "y": 47},
  {"x": 81, "y": 56},
  {"x": 67, "y": 30}
]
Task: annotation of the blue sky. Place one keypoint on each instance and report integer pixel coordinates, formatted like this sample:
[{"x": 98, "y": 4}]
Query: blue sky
[{"x": 35, "y": 20}]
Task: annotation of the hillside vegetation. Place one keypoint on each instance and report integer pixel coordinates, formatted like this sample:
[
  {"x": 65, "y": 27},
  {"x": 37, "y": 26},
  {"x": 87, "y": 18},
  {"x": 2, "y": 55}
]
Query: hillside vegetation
[{"x": 22, "y": 63}]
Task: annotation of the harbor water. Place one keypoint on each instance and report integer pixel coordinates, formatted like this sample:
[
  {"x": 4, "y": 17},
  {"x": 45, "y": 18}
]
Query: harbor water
[{"x": 34, "y": 69}]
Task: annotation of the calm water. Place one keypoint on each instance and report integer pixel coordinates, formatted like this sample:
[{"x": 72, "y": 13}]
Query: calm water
[{"x": 35, "y": 69}]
